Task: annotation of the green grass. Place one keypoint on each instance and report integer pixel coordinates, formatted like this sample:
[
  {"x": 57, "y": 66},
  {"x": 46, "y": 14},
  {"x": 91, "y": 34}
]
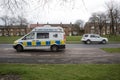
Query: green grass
[
  {"x": 8, "y": 39},
  {"x": 11, "y": 39},
  {"x": 113, "y": 38},
  {"x": 63, "y": 71},
  {"x": 69, "y": 39},
  {"x": 112, "y": 50},
  {"x": 73, "y": 38}
]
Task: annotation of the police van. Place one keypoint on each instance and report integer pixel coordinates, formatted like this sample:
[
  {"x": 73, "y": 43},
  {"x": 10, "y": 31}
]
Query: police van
[{"x": 41, "y": 38}]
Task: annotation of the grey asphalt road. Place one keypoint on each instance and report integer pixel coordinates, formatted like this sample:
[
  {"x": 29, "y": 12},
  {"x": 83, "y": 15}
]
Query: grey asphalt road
[
  {"x": 67, "y": 56},
  {"x": 77, "y": 46},
  {"x": 73, "y": 54}
]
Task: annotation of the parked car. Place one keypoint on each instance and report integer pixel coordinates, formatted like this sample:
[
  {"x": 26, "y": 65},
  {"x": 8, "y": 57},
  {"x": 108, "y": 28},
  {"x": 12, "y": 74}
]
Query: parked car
[{"x": 93, "y": 38}]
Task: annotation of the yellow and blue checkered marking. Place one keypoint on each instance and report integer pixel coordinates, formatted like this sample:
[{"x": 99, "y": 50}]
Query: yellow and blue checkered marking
[{"x": 43, "y": 43}]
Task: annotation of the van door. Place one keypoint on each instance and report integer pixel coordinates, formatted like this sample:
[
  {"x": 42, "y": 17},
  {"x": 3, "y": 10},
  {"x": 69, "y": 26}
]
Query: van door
[
  {"x": 42, "y": 40},
  {"x": 29, "y": 41}
]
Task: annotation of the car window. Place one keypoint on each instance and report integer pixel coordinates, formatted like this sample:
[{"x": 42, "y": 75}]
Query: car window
[
  {"x": 92, "y": 36},
  {"x": 85, "y": 35},
  {"x": 97, "y": 36}
]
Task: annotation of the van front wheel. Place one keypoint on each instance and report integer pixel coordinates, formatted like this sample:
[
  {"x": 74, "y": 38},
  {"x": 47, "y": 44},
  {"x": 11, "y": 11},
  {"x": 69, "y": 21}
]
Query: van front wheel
[
  {"x": 54, "y": 48},
  {"x": 19, "y": 48}
]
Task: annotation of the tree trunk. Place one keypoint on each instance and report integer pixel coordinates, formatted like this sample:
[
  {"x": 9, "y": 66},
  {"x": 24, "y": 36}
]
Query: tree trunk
[
  {"x": 105, "y": 28},
  {"x": 112, "y": 23}
]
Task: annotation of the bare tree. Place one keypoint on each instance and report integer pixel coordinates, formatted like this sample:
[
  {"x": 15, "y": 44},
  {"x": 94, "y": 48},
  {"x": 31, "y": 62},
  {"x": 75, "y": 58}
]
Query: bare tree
[
  {"x": 113, "y": 13},
  {"x": 22, "y": 21},
  {"x": 93, "y": 20},
  {"x": 117, "y": 19},
  {"x": 5, "y": 19},
  {"x": 13, "y": 21},
  {"x": 12, "y": 5},
  {"x": 80, "y": 23},
  {"x": 101, "y": 17},
  {"x": 79, "y": 26},
  {"x": 98, "y": 20}
]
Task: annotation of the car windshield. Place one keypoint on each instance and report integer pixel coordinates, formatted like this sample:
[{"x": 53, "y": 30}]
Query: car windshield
[{"x": 85, "y": 35}]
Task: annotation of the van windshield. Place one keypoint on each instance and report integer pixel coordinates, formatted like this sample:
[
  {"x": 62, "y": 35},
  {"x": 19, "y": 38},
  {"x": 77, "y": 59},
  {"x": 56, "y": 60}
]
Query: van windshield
[{"x": 29, "y": 36}]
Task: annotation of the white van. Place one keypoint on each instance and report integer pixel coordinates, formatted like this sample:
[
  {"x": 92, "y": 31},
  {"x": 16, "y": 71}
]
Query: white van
[{"x": 42, "y": 37}]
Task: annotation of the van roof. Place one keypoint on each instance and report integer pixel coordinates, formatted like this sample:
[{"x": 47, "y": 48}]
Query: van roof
[{"x": 48, "y": 28}]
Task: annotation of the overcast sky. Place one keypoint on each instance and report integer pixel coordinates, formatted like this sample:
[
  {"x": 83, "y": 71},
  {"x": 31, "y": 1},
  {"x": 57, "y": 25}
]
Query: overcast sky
[
  {"x": 57, "y": 12},
  {"x": 54, "y": 12}
]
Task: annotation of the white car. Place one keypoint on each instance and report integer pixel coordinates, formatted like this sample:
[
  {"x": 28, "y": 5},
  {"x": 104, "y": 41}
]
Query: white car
[{"x": 90, "y": 38}]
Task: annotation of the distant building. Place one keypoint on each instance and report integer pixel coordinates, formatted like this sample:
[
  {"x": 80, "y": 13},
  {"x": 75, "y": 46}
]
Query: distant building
[
  {"x": 13, "y": 31},
  {"x": 91, "y": 27},
  {"x": 70, "y": 29}
]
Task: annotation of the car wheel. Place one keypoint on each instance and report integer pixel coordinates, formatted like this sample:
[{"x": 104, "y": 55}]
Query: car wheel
[
  {"x": 104, "y": 41},
  {"x": 88, "y": 42},
  {"x": 54, "y": 48},
  {"x": 19, "y": 48}
]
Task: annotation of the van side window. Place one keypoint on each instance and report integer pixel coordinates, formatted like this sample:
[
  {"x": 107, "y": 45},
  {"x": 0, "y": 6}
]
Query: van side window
[
  {"x": 29, "y": 36},
  {"x": 42, "y": 35},
  {"x": 55, "y": 35}
]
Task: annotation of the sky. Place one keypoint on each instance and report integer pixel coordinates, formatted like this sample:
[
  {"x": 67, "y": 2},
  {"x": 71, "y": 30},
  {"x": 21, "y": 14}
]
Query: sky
[
  {"x": 54, "y": 12},
  {"x": 59, "y": 12}
]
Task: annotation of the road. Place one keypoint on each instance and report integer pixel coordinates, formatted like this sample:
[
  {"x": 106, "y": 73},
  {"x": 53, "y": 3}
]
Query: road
[
  {"x": 73, "y": 54},
  {"x": 77, "y": 46}
]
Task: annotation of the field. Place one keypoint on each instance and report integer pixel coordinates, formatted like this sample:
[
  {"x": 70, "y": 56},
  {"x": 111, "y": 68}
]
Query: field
[
  {"x": 62, "y": 71},
  {"x": 113, "y": 38},
  {"x": 112, "y": 50},
  {"x": 73, "y": 39},
  {"x": 69, "y": 39},
  {"x": 11, "y": 39},
  {"x": 8, "y": 39}
]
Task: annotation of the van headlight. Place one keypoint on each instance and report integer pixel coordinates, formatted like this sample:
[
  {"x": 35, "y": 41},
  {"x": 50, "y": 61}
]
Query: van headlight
[{"x": 15, "y": 42}]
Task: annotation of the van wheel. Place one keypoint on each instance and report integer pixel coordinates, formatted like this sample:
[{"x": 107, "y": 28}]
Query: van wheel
[
  {"x": 19, "y": 48},
  {"x": 104, "y": 41},
  {"x": 88, "y": 42},
  {"x": 54, "y": 48}
]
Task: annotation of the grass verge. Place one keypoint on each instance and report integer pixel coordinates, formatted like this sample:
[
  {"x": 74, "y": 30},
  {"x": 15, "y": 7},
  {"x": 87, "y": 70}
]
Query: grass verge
[
  {"x": 11, "y": 39},
  {"x": 69, "y": 39},
  {"x": 112, "y": 50},
  {"x": 8, "y": 39},
  {"x": 113, "y": 38},
  {"x": 73, "y": 38},
  {"x": 63, "y": 71}
]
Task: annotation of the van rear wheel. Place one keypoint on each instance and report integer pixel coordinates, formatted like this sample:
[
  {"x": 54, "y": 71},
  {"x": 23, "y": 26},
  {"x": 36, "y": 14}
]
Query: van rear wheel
[
  {"x": 19, "y": 48},
  {"x": 54, "y": 48}
]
